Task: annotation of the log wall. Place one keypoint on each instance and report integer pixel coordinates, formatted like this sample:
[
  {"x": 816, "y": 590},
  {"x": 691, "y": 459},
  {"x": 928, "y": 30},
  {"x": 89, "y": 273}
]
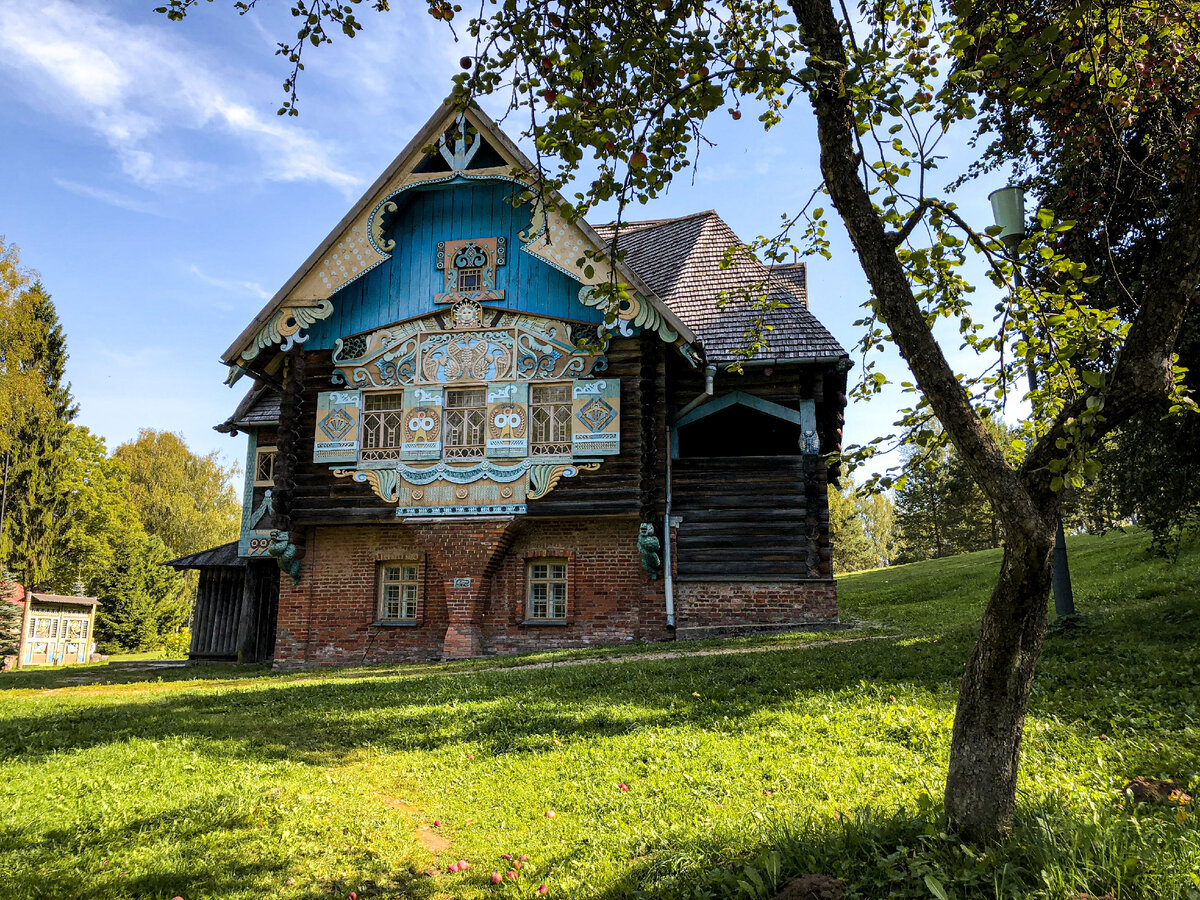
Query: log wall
[
  {"x": 751, "y": 518},
  {"x": 218, "y": 613}
]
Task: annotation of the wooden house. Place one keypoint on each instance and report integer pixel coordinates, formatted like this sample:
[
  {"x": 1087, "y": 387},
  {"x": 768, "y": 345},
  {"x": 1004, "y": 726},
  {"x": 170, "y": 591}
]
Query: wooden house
[
  {"x": 462, "y": 443},
  {"x": 55, "y": 630}
]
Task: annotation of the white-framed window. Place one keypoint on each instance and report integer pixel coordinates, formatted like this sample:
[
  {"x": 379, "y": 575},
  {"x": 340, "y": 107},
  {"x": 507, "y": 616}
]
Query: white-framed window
[
  {"x": 546, "y": 591},
  {"x": 398, "y": 591},
  {"x": 264, "y": 467},
  {"x": 550, "y": 419},
  {"x": 466, "y": 412},
  {"x": 383, "y": 422}
]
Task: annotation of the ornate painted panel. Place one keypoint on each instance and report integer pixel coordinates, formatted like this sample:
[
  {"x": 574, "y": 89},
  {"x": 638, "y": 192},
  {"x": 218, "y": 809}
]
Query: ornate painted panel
[
  {"x": 507, "y": 420},
  {"x": 470, "y": 269},
  {"x": 596, "y": 409},
  {"x": 337, "y": 432},
  {"x": 422, "y": 423},
  {"x": 258, "y": 506},
  {"x": 469, "y": 412},
  {"x": 484, "y": 345}
]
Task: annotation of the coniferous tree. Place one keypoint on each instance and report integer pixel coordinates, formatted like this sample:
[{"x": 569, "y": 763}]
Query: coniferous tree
[
  {"x": 10, "y": 614},
  {"x": 142, "y": 601},
  {"x": 35, "y": 505}
]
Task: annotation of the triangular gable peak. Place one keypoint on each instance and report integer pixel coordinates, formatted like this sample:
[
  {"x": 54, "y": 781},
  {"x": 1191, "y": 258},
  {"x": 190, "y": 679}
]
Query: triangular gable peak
[{"x": 452, "y": 147}]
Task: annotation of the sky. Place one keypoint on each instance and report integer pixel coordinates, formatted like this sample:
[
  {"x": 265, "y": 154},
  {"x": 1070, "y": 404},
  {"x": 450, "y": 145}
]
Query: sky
[{"x": 162, "y": 200}]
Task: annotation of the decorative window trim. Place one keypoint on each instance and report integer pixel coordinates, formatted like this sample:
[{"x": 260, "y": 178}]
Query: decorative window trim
[
  {"x": 413, "y": 579},
  {"x": 259, "y": 453},
  {"x": 548, "y": 556},
  {"x": 475, "y": 258}
]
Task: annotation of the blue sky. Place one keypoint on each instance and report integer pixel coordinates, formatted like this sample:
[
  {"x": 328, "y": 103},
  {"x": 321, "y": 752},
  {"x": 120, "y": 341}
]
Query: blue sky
[{"x": 152, "y": 185}]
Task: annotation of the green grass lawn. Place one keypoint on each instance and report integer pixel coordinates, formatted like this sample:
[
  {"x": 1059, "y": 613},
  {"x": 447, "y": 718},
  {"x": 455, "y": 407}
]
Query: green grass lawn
[{"x": 742, "y": 770}]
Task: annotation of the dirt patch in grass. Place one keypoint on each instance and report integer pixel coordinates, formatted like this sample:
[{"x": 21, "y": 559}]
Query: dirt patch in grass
[{"x": 431, "y": 839}]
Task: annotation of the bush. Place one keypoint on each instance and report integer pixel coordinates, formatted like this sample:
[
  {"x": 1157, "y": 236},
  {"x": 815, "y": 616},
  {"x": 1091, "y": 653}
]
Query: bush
[{"x": 177, "y": 644}]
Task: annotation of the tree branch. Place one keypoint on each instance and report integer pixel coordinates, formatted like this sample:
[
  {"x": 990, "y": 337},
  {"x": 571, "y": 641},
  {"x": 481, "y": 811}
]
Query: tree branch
[
  {"x": 1143, "y": 372},
  {"x": 897, "y": 305}
]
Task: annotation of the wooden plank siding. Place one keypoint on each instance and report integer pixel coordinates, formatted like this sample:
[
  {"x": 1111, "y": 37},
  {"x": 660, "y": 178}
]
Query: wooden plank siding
[
  {"x": 218, "y": 613},
  {"x": 403, "y": 286}
]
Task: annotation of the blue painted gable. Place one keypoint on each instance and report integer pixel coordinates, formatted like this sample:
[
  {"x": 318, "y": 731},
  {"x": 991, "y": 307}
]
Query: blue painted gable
[{"x": 404, "y": 285}]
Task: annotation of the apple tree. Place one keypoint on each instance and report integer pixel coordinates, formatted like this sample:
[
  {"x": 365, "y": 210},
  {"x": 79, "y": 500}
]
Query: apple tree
[{"x": 627, "y": 86}]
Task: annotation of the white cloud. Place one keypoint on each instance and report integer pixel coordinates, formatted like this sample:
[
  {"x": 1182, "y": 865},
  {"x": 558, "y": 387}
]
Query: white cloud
[
  {"x": 112, "y": 198},
  {"x": 228, "y": 284},
  {"x": 148, "y": 93}
]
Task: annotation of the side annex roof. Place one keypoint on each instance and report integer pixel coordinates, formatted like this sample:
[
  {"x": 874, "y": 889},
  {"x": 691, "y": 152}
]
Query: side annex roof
[{"x": 681, "y": 259}]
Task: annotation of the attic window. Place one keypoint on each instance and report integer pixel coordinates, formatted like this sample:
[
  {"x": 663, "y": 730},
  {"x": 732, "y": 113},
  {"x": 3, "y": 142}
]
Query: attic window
[
  {"x": 470, "y": 269},
  {"x": 264, "y": 467},
  {"x": 470, "y": 280}
]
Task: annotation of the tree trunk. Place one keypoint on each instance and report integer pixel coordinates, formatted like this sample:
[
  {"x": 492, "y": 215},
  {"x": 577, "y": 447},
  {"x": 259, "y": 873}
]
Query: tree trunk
[{"x": 981, "y": 785}]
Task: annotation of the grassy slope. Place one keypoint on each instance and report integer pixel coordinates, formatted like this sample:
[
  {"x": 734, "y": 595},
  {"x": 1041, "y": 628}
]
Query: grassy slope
[{"x": 741, "y": 769}]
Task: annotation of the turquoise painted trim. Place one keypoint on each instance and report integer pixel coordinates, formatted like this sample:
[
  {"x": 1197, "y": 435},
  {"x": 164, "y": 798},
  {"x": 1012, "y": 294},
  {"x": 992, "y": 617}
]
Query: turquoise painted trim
[
  {"x": 740, "y": 398},
  {"x": 248, "y": 492},
  {"x": 510, "y": 509}
]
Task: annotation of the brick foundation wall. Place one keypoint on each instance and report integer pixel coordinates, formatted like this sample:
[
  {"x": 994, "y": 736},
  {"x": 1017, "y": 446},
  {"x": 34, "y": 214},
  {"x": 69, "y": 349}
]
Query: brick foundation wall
[
  {"x": 740, "y": 605},
  {"x": 328, "y": 618}
]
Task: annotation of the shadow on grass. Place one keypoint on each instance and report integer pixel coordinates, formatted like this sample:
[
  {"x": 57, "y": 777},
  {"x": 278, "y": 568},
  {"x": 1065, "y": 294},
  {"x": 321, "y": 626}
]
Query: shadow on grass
[
  {"x": 1054, "y": 850},
  {"x": 197, "y": 866},
  {"x": 123, "y": 673},
  {"x": 324, "y": 720}
]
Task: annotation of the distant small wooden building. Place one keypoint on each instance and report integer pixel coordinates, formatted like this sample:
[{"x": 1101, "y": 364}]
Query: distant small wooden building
[
  {"x": 461, "y": 443},
  {"x": 56, "y": 630}
]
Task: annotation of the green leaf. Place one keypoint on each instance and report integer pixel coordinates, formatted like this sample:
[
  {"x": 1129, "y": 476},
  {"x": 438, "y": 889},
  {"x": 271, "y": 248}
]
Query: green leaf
[{"x": 935, "y": 888}]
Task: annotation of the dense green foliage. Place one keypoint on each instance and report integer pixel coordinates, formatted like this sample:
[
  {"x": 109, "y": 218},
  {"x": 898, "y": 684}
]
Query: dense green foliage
[
  {"x": 940, "y": 510},
  {"x": 863, "y": 528},
  {"x": 1111, "y": 156},
  {"x": 749, "y": 767},
  {"x": 76, "y": 519},
  {"x": 187, "y": 501},
  {"x": 1149, "y": 469},
  {"x": 10, "y": 615}
]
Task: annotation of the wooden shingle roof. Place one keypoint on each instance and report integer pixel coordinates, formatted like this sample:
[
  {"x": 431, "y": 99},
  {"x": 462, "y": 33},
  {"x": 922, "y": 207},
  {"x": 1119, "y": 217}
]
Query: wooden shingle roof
[
  {"x": 681, "y": 261},
  {"x": 260, "y": 406},
  {"x": 224, "y": 555}
]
